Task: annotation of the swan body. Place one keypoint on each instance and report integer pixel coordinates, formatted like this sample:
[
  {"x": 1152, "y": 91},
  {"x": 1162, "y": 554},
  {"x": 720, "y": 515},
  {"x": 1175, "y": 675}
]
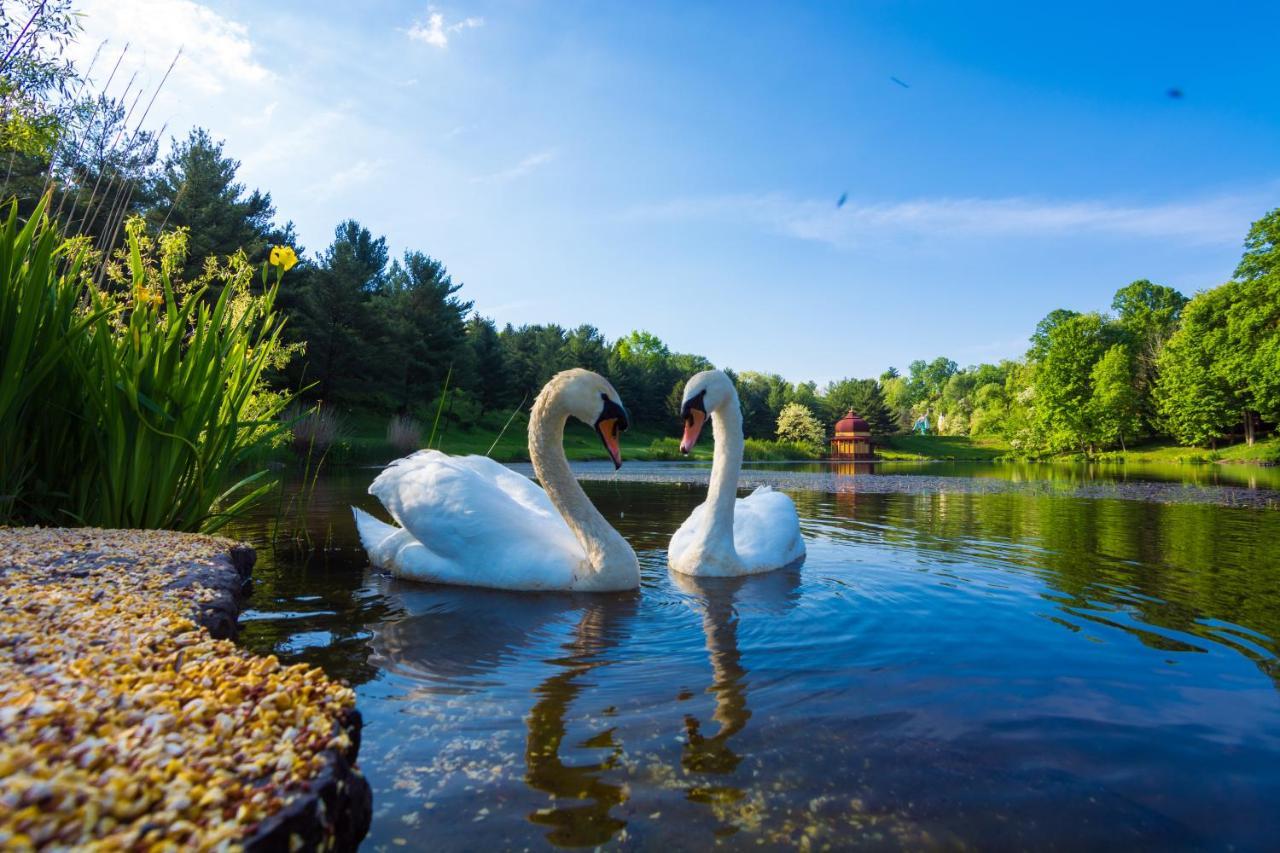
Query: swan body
[
  {"x": 728, "y": 536},
  {"x": 471, "y": 521}
]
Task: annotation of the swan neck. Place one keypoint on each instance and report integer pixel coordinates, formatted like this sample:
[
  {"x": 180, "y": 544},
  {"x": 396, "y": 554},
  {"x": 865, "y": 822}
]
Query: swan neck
[
  {"x": 603, "y": 545},
  {"x": 726, "y": 426}
]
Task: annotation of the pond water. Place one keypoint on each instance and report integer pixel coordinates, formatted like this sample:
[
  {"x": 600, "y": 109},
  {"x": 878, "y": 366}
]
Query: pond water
[{"x": 951, "y": 666}]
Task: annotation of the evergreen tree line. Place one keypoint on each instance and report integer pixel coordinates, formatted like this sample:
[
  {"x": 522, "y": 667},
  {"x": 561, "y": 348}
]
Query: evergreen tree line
[{"x": 392, "y": 335}]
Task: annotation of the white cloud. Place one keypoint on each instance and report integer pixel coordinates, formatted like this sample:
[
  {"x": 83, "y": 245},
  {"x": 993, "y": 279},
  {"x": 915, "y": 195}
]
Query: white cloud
[
  {"x": 1207, "y": 221},
  {"x": 435, "y": 32},
  {"x": 524, "y": 167},
  {"x": 216, "y": 51},
  {"x": 356, "y": 175}
]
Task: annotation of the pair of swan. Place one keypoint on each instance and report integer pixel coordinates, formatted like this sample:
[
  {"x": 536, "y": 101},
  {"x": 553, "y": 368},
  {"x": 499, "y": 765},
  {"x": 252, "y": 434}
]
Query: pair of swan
[{"x": 471, "y": 521}]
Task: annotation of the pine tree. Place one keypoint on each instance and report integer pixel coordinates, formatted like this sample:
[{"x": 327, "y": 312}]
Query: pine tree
[
  {"x": 489, "y": 373},
  {"x": 423, "y": 330},
  {"x": 197, "y": 189},
  {"x": 333, "y": 313}
]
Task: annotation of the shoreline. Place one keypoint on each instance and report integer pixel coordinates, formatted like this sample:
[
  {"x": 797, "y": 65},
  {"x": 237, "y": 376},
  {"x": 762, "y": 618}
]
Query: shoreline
[
  {"x": 830, "y": 482},
  {"x": 130, "y": 718}
]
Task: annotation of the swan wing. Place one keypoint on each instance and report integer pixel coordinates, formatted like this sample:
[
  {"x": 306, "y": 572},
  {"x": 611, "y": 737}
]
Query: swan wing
[
  {"x": 475, "y": 522},
  {"x": 766, "y": 530},
  {"x": 687, "y": 534}
]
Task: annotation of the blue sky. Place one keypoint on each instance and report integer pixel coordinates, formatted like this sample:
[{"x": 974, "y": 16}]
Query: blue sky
[{"x": 676, "y": 167}]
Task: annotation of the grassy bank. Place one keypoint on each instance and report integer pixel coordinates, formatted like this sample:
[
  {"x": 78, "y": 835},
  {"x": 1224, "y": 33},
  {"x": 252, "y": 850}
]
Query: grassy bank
[
  {"x": 1264, "y": 451},
  {"x": 967, "y": 448},
  {"x": 362, "y": 439},
  {"x": 958, "y": 447}
]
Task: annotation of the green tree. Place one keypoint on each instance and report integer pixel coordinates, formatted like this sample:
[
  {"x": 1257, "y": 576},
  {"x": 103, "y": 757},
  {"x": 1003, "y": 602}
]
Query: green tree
[
  {"x": 333, "y": 314},
  {"x": 585, "y": 347},
  {"x": 863, "y": 396},
  {"x": 1040, "y": 337},
  {"x": 1064, "y": 380},
  {"x": 1250, "y": 362},
  {"x": 926, "y": 379},
  {"x": 798, "y": 424},
  {"x": 489, "y": 369},
  {"x": 1196, "y": 403},
  {"x": 1261, "y": 248},
  {"x": 1115, "y": 407},
  {"x": 36, "y": 78},
  {"x": 423, "y": 331},
  {"x": 1147, "y": 315},
  {"x": 758, "y": 420},
  {"x": 197, "y": 189}
]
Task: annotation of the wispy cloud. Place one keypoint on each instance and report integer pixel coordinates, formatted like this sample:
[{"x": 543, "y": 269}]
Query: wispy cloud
[
  {"x": 1220, "y": 219},
  {"x": 216, "y": 51},
  {"x": 435, "y": 31},
  {"x": 354, "y": 176},
  {"x": 519, "y": 170}
]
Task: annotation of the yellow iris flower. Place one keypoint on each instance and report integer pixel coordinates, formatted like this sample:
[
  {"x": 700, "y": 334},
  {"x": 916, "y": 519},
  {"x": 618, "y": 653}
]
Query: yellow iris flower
[
  {"x": 147, "y": 296},
  {"x": 283, "y": 257}
]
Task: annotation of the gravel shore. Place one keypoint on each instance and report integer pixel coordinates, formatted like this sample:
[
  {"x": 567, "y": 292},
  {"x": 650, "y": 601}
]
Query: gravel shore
[{"x": 125, "y": 723}]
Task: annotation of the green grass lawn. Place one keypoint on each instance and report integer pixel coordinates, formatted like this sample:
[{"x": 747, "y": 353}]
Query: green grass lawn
[
  {"x": 1166, "y": 452},
  {"x": 1157, "y": 452},
  {"x": 962, "y": 447},
  {"x": 364, "y": 440}
]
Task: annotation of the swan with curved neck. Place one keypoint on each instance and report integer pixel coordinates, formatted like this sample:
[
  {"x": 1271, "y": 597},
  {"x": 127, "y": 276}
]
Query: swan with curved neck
[
  {"x": 727, "y": 535},
  {"x": 469, "y": 520}
]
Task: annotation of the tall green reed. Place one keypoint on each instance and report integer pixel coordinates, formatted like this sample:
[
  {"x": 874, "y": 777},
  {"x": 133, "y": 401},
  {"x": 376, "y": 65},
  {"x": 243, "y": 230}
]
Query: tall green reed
[
  {"x": 148, "y": 400},
  {"x": 42, "y": 320}
]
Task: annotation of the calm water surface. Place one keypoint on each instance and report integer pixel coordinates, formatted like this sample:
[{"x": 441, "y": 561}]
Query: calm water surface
[{"x": 945, "y": 670}]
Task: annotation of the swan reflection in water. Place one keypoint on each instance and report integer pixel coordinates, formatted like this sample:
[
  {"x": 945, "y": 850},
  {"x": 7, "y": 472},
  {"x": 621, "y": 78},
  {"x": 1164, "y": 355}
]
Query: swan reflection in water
[
  {"x": 719, "y": 599},
  {"x": 454, "y": 637}
]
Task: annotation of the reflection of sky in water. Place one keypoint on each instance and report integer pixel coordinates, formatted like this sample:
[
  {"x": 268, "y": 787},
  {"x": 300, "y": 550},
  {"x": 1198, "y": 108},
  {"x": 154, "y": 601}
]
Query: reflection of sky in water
[{"x": 983, "y": 669}]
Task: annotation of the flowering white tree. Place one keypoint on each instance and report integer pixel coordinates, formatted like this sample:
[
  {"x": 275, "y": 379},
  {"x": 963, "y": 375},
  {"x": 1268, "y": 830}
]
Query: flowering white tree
[{"x": 796, "y": 423}]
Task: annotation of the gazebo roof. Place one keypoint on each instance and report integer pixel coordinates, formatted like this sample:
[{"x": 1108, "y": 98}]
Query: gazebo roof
[{"x": 851, "y": 423}]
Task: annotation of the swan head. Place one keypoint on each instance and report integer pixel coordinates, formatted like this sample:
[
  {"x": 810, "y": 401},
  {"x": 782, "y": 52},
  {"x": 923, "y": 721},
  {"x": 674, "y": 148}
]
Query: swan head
[
  {"x": 590, "y": 398},
  {"x": 704, "y": 392}
]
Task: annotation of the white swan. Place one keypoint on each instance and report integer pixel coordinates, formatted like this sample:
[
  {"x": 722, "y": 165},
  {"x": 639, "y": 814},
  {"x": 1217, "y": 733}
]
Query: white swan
[
  {"x": 727, "y": 535},
  {"x": 469, "y": 520}
]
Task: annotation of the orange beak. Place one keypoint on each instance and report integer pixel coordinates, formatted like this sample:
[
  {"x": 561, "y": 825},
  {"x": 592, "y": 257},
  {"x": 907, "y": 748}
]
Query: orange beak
[
  {"x": 692, "y": 429},
  {"x": 608, "y": 430}
]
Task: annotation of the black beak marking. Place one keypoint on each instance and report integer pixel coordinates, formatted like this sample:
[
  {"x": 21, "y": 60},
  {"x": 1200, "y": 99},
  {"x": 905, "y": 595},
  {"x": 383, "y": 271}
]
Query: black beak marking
[
  {"x": 613, "y": 411},
  {"x": 695, "y": 403}
]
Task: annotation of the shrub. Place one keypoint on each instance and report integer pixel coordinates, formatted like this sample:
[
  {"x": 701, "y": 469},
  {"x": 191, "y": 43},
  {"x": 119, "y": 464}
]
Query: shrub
[
  {"x": 754, "y": 450},
  {"x": 137, "y": 402},
  {"x": 314, "y": 431},
  {"x": 404, "y": 434},
  {"x": 798, "y": 425},
  {"x": 664, "y": 449},
  {"x": 757, "y": 450}
]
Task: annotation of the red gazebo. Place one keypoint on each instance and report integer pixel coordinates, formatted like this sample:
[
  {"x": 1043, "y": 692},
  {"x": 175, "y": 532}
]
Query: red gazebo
[{"x": 852, "y": 439}]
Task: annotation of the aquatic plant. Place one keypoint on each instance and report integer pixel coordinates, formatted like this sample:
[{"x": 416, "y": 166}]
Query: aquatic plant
[
  {"x": 137, "y": 399},
  {"x": 313, "y": 431},
  {"x": 41, "y": 317},
  {"x": 404, "y": 434}
]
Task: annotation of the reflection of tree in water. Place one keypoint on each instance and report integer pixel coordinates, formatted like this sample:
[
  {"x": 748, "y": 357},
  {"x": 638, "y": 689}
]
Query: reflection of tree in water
[
  {"x": 1130, "y": 566},
  {"x": 323, "y": 605},
  {"x": 590, "y": 823}
]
